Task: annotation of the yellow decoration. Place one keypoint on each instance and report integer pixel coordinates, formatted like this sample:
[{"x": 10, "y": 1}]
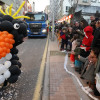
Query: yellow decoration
[
  {"x": 7, "y": 11},
  {"x": 19, "y": 9},
  {"x": 10, "y": 9},
  {"x": 21, "y": 17},
  {"x": 2, "y": 11}
]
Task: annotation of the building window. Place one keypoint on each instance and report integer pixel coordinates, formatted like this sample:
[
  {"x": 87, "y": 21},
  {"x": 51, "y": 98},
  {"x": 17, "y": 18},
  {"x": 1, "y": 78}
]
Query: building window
[
  {"x": 85, "y": 0},
  {"x": 93, "y": 0},
  {"x": 67, "y": 8}
]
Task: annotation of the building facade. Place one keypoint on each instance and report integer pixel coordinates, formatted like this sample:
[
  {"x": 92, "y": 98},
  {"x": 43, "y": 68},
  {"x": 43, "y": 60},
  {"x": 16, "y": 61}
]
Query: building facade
[
  {"x": 87, "y": 7},
  {"x": 16, "y": 4},
  {"x": 27, "y": 7}
]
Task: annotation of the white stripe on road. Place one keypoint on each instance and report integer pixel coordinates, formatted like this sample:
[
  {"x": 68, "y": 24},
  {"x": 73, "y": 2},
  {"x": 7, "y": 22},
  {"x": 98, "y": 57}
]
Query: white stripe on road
[{"x": 80, "y": 84}]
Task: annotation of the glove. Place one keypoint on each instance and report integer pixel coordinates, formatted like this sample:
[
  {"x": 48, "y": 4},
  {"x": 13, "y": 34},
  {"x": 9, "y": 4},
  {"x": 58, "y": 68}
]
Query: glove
[{"x": 83, "y": 48}]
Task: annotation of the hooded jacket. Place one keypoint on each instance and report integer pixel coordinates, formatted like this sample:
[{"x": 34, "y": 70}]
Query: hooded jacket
[{"x": 87, "y": 40}]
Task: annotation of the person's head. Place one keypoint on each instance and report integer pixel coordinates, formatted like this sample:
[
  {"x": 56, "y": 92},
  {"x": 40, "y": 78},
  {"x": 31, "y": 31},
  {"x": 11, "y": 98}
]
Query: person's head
[
  {"x": 94, "y": 55},
  {"x": 75, "y": 36},
  {"x": 83, "y": 23},
  {"x": 70, "y": 29},
  {"x": 97, "y": 24},
  {"x": 92, "y": 17},
  {"x": 77, "y": 24},
  {"x": 64, "y": 29}
]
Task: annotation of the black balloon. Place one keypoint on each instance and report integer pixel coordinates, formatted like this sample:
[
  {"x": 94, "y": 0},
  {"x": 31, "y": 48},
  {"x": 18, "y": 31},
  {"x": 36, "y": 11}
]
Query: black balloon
[
  {"x": 14, "y": 62},
  {"x": 13, "y": 79},
  {"x": 14, "y": 69},
  {"x": 14, "y": 50},
  {"x": 15, "y": 57},
  {"x": 8, "y": 18},
  {"x": 23, "y": 29},
  {"x": 6, "y": 26},
  {"x": 19, "y": 64},
  {"x": 1, "y": 15}
]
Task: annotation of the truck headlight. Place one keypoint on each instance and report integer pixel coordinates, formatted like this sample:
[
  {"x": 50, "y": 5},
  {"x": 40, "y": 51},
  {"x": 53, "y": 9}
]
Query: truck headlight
[
  {"x": 44, "y": 30},
  {"x": 27, "y": 30}
]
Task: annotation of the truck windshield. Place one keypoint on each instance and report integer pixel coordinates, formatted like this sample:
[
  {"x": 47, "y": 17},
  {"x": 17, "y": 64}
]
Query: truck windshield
[{"x": 36, "y": 17}]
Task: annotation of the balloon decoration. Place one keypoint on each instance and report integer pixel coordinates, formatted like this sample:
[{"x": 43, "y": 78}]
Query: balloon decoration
[{"x": 12, "y": 33}]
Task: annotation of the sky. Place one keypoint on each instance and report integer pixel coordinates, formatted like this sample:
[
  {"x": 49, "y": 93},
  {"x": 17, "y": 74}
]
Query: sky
[{"x": 40, "y": 4}]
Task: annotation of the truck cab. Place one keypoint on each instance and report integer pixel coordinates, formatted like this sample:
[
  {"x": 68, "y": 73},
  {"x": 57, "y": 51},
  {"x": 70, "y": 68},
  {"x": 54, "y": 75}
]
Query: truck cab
[{"x": 37, "y": 24}]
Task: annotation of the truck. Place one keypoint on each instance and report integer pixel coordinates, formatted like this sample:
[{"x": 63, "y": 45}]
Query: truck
[{"x": 37, "y": 24}]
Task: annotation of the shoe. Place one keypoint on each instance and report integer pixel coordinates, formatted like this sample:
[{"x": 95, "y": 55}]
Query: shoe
[
  {"x": 89, "y": 90},
  {"x": 72, "y": 65},
  {"x": 86, "y": 87},
  {"x": 63, "y": 51}
]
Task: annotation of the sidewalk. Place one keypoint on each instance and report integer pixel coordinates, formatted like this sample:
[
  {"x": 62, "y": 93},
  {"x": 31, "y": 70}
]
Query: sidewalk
[{"x": 62, "y": 86}]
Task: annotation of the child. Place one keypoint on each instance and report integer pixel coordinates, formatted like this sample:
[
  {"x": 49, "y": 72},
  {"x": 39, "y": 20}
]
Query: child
[
  {"x": 74, "y": 44},
  {"x": 64, "y": 39},
  {"x": 70, "y": 36},
  {"x": 88, "y": 72}
]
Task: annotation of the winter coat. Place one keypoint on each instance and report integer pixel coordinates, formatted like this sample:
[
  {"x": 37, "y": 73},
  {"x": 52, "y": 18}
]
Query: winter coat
[
  {"x": 62, "y": 35},
  {"x": 96, "y": 40},
  {"x": 74, "y": 44},
  {"x": 88, "y": 73},
  {"x": 87, "y": 40},
  {"x": 98, "y": 65},
  {"x": 77, "y": 52}
]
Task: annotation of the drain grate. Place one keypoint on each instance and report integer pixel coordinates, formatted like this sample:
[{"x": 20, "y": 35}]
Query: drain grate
[{"x": 55, "y": 53}]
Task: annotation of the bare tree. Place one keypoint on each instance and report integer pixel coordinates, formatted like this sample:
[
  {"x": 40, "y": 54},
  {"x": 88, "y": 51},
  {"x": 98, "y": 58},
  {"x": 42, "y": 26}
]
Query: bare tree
[{"x": 73, "y": 4}]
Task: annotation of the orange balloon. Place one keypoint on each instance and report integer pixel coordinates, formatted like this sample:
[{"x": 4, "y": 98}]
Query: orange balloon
[
  {"x": 2, "y": 44},
  {"x": 10, "y": 46},
  {"x": 3, "y": 54},
  {"x": 0, "y": 33},
  {"x": 12, "y": 41},
  {"x": 1, "y": 50},
  {"x": 4, "y": 49},
  {"x": 7, "y": 45},
  {"x": 10, "y": 36},
  {"x": 5, "y": 32},
  {"x": 4, "y": 36},
  {"x": 0, "y": 57},
  {"x": 1, "y": 39},
  {"x": 7, "y": 40},
  {"x": 8, "y": 51}
]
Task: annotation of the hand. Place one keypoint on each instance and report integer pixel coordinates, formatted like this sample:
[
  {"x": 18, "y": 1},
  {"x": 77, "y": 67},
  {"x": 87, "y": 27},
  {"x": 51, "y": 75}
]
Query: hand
[
  {"x": 79, "y": 56},
  {"x": 77, "y": 30},
  {"x": 73, "y": 52},
  {"x": 83, "y": 48}
]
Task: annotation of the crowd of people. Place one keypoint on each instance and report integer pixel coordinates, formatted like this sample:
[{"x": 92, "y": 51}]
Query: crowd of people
[{"x": 83, "y": 40}]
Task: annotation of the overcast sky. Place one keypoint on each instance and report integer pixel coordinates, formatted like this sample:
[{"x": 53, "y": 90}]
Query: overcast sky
[{"x": 40, "y": 4}]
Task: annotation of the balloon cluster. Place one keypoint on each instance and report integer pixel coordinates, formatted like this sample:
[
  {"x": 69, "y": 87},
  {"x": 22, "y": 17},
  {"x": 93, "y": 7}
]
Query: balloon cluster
[{"x": 12, "y": 33}]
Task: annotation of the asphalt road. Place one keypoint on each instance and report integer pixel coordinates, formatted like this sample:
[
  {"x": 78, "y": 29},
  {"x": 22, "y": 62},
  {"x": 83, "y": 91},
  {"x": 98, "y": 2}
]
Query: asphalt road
[{"x": 30, "y": 54}]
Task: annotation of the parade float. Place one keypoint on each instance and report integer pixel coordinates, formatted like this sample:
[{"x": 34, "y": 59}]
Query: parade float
[{"x": 12, "y": 33}]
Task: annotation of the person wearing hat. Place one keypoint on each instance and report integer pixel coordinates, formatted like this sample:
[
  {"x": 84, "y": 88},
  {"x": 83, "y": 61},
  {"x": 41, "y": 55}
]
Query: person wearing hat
[{"x": 64, "y": 39}]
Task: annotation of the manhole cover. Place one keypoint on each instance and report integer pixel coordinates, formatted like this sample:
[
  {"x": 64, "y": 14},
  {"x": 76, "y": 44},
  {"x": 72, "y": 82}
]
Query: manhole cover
[{"x": 55, "y": 53}]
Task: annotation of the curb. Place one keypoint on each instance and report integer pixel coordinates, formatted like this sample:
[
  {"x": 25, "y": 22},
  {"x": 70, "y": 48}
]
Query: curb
[
  {"x": 45, "y": 95},
  {"x": 39, "y": 84}
]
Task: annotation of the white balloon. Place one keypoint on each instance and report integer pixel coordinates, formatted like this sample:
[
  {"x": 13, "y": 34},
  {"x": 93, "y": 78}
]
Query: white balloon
[
  {"x": 2, "y": 79},
  {"x": 2, "y": 69},
  {"x": 2, "y": 60},
  {"x": 8, "y": 56},
  {"x": 7, "y": 74},
  {"x": 7, "y": 64}
]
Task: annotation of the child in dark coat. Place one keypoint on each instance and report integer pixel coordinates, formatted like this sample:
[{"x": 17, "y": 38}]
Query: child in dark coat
[{"x": 64, "y": 39}]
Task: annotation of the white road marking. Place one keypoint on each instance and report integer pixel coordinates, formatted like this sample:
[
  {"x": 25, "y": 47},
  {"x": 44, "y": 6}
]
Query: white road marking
[{"x": 80, "y": 84}]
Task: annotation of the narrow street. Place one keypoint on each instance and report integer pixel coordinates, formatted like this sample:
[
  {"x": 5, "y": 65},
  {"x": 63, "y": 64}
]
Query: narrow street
[{"x": 30, "y": 54}]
